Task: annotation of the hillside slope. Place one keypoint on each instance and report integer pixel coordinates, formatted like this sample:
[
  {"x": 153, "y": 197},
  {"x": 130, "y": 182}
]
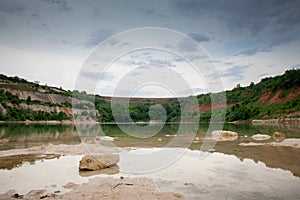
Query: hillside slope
[
  {"x": 274, "y": 97},
  {"x": 22, "y": 100}
]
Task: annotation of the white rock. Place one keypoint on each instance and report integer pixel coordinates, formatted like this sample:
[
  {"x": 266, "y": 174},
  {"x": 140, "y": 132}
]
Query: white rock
[
  {"x": 291, "y": 142},
  {"x": 251, "y": 144},
  {"x": 107, "y": 138},
  {"x": 260, "y": 137},
  {"x": 221, "y": 135}
]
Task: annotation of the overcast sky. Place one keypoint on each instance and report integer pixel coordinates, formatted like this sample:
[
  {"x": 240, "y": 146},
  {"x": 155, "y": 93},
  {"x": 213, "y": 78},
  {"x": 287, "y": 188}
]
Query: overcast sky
[{"x": 50, "y": 40}]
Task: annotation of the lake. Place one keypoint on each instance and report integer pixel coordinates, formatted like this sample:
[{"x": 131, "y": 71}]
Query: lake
[{"x": 228, "y": 170}]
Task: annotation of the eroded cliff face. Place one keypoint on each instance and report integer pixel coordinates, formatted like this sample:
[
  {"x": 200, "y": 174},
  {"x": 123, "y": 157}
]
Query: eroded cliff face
[
  {"x": 32, "y": 97},
  {"x": 2, "y": 109},
  {"x": 44, "y": 97}
]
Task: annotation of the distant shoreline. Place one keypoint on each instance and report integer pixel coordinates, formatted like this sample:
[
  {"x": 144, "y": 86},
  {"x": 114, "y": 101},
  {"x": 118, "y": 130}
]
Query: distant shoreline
[
  {"x": 276, "y": 121},
  {"x": 279, "y": 121}
]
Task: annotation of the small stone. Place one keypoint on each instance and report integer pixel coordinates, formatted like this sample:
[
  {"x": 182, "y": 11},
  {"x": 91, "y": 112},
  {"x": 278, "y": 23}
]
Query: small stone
[
  {"x": 44, "y": 196},
  {"x": 69, "y": 185},
  {"x": 178, "y": 195},
  {"x": 121, "y": 177},
  {"x": 278, "y": 137},
  {"x": 17, "y": 196}
]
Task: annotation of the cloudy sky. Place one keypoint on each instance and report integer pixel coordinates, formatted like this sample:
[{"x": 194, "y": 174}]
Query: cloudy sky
[{"x": 52, "y": 40}]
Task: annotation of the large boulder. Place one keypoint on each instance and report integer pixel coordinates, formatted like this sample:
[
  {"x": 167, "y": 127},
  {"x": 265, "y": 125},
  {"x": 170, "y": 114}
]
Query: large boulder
[
  {"x": 278, "y": 137},
  {"x": 221, "y": 135},
  {"x": 108, "y": 171},
  {"x": 96, "y": 162},
  {"x": 260, "y": 137}
]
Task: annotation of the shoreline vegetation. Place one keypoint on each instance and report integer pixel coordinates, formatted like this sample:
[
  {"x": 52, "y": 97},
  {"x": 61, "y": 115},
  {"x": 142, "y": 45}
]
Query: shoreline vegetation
[
  {"x": 272, "y": 98},
  {"x": 279, "y": 121}
]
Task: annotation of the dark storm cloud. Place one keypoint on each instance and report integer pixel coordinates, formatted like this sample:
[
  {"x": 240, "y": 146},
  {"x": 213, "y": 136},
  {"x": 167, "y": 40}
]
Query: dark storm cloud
[
  {"x": 194, "y": 91},
  {"x": 263, "y": 75},
  {"x": 252, "y": 15},
  {"x": 9, "y": 8},
  {"x": 186, "y": 46},
  {"x": 123, "y": 44},
  {"x": 236, "y": 72},
  {"x": 199, "y": 37},
  {"x": 276, "y": 22},
  {"x": 95, "y": 76},
  {"x": 151, "y": 62},
  {"x": 98, "y": 36},
  {"x": 147, "y": 11},
  {"x": 62, "y": 5},
  {"x": 254, "y": 50},
  {"x": 12, "y": 7},
  {"x": 161, "y": 63}
]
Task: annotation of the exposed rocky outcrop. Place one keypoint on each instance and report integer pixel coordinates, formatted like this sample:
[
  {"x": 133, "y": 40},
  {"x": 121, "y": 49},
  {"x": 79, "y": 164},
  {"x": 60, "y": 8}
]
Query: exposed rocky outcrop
[
  {"x": 97, "y": 162},
  {"x": 44, "y": 97},
  {"x": 2, "y": 110}
]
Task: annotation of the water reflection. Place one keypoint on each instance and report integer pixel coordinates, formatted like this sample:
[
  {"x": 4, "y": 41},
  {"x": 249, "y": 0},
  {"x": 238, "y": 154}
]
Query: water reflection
[
  {"x": 35, "y": 134},
  {"x": 24, "y": 136},
  {"x": 217, "y": 176},
  {"x": 10, "y": 162},
  {"x": 108, "y": 171}
]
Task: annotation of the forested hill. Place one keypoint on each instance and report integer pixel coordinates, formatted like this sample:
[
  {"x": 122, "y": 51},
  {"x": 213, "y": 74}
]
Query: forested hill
[{"x": 273, "y": 97}]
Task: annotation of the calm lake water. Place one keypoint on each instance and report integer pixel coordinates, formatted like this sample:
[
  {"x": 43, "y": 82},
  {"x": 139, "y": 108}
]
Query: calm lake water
[{"x": 231, "y": 171}]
